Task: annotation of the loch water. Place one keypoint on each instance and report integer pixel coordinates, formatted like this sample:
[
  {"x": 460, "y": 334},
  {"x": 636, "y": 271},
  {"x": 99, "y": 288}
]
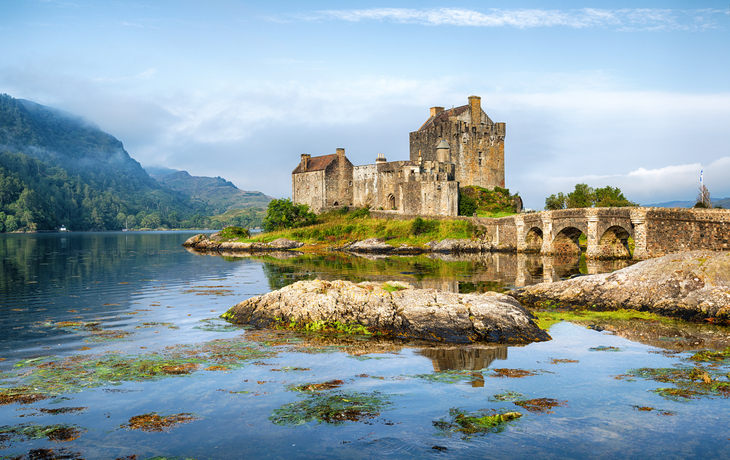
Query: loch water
[{"x": 111, "y": 346}]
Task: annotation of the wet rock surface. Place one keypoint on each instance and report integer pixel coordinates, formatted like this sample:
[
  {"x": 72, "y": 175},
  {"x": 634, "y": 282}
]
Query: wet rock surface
[
  {"x": 394, "y": 309},
  {"x": 459, "y": 246},
  {"x": 692, "y": 286}
]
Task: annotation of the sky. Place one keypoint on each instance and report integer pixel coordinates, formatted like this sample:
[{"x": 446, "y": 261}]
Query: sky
[{"x": 629, "y": 94}]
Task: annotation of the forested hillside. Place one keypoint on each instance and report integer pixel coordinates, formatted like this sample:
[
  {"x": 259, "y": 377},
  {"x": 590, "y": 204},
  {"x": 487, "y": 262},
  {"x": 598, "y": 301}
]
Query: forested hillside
[
  {"x": 59, "y": 169},
  {"x": 218, "y": 194}
]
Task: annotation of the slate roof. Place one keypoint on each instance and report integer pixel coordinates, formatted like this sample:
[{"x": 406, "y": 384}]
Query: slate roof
[
  {"x": 444, "y": 115},
  {"x": 316, "y": 164}
]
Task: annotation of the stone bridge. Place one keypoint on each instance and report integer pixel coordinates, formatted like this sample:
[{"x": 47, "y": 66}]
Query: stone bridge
[{"x": 655, "y": 231}]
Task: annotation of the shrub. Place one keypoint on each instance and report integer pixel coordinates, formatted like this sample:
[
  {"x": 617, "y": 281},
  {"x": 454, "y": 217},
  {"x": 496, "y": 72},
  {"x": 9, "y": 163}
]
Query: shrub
[{"x": 283, "y": 214}]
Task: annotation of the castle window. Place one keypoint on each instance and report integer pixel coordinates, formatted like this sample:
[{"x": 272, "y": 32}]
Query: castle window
[
  {"x": 480, "y": 162},
  {"x": 350, "y": 183}
]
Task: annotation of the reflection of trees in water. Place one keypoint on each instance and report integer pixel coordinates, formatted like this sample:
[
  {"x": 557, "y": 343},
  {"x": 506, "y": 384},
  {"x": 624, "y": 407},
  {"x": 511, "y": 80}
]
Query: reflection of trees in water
[{"x": 470, "y": 359}]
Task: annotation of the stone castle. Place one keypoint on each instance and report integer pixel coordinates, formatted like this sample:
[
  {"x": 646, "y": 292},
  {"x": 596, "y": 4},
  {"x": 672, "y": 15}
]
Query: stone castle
[{"x": 461, "y": 146}]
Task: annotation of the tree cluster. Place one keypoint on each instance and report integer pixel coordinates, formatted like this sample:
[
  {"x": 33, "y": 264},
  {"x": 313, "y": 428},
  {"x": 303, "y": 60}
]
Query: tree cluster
[
  {"x": 586, "y": 197},
  {"x": 282, "y": 213}
]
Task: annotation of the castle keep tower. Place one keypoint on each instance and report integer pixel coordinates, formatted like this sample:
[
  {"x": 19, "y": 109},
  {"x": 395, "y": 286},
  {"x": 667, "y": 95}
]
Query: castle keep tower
[{"x": 476, "y": 143}]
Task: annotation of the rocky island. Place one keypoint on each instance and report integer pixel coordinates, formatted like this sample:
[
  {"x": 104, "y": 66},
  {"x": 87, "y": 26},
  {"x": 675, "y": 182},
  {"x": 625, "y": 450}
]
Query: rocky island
[{"x": 392, "y": 309}]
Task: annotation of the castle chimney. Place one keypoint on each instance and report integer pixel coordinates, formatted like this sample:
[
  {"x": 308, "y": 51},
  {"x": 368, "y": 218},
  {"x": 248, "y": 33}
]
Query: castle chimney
[
  {"x": 340, "y": 153},
  {"x": 475, "y": 106},
  {"x": 305, "y": 161},
  {"x": 436, "y": 110},
  {"x": 380, "y": 159}
]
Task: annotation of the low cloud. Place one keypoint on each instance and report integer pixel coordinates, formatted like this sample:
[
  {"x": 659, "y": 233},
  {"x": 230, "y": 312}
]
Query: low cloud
[{"x": 621, "y": 19}]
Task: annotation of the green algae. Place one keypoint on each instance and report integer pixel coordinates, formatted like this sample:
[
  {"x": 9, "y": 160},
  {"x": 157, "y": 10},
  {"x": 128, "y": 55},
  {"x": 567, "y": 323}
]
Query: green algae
[
  {"x": 506, "y": 396},
  {"x": 312, "y": 387},
  {"x": 545, "y": 319},
  {"x": 712, "y": 356},
  {"x": 41, "y": 377},
  {"x": 332, "y": 408},
  {"x": 156, "y": 324},
  {"x": 604, "y": 348},
  {"x": 216, "y": 325},
  {"x": 29, "y": 431},
  {"x": 470, "y": 424},
  {"x": 155, "y": 423},
  {"x": 690, "y": 382},
  {"x": 320, "y": 326},
  {"x": 448, "y": 377},
  {"x": 541, "y": 405}
]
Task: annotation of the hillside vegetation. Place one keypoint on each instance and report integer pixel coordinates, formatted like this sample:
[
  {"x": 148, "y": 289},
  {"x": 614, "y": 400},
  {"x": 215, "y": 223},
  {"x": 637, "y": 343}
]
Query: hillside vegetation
[
  {"x": 485, "y": 202},
  {"x": 57, "y": 169},
  {"x": 216, "y": 193}
]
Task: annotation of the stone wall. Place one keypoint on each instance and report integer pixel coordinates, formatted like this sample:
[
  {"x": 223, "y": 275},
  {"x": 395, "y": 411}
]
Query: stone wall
[
  {"x": 676, "y": 230},
  {"x": 476, "y": 144},
  {"x": 309, "y": 188}
]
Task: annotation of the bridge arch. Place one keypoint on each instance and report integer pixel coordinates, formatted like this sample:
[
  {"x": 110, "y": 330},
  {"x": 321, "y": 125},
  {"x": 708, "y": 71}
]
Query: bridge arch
[
  {"x": 566, "y": 240},
  {"x": 533, "y": 240},
  {"x": 613, "y": 243}
]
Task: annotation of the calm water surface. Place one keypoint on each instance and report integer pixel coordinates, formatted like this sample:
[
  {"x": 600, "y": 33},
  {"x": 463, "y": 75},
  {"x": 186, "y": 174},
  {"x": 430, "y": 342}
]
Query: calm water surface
[{"x": 99, "y": 329}]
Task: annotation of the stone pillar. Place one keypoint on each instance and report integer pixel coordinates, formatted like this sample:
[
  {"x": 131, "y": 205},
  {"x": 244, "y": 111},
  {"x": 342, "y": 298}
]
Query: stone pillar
[
  {"x": 521, "y": 270},
  {"x": 593, "y": 266},
  {"x": 547, "y": 269},
  {"x": 592, "y": 251},
  {"x": 520, "y": 225},
  {"x": 547, "y": 232},
  {"x": 638, "y": 220}
]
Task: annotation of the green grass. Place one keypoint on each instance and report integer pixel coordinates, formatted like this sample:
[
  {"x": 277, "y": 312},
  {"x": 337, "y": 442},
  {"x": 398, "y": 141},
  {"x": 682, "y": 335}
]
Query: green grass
[{"x": 338, "y": 228}]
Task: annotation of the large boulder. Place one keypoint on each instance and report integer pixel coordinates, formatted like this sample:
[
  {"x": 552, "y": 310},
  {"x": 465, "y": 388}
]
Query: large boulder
[
  {"x": 213, "y": 243},
  {"x": 394, "y": 309},
  {"x": 690, "y": 285},
  {"x": 456, "y": 246}
]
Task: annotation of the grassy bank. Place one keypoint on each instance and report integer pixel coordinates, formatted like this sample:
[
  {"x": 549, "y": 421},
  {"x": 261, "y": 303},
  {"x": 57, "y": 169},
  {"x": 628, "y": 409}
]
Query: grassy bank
[{"x": 339, "y": 227}]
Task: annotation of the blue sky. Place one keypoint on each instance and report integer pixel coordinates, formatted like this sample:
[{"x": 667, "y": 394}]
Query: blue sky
[{"x": 626, "y": 94}]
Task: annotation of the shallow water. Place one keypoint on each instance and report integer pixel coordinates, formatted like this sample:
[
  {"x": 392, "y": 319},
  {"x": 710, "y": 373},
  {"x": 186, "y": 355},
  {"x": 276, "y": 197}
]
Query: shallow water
[{"x": 127, "y": 323}]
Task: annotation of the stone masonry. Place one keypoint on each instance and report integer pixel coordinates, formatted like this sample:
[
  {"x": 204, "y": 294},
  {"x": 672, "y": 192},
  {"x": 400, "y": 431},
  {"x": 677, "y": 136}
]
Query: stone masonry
[{"x": 456, "y": 147}]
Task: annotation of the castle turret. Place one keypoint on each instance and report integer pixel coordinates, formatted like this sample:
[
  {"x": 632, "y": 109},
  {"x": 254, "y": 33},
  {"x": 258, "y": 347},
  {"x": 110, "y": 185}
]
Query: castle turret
[{"x": 443, "y": 152}]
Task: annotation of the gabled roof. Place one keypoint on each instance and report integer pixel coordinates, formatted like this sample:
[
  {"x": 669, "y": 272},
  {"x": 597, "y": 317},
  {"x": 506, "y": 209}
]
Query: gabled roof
[
  {"x": 316, "y": 164},
  {"x": 444, "y": 115}
]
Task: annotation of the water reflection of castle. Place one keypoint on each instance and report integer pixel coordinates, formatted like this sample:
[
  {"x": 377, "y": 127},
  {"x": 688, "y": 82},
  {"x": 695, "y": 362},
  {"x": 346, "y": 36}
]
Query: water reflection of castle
[{"x": 470, "y": 359}]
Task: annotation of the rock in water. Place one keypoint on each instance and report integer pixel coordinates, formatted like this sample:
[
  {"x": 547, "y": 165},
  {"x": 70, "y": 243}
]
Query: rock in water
[
  {"x": 690, "y": 285},
  {"x": 394, "y": 309}
]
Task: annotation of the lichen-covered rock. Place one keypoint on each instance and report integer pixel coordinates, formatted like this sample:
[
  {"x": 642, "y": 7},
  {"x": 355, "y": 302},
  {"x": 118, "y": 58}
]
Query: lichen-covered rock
[
  {"x": 212, "y": 243},
  {"x": 284, "y": 243},
  {"x": 194, "y": 240},
  {"x": 690, "y": 285},
  {"x": 459, "y": 246},
  {"x": 405, "y": 312},
  {"x": 372, "y": 245}
]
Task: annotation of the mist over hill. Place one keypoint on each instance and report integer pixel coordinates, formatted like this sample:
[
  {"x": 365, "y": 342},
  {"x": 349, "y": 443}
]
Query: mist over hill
[{"x": 59, "y": 169}]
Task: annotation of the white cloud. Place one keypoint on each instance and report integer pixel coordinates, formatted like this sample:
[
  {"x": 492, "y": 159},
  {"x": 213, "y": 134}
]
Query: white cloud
[{"x": 622, "y": 19}]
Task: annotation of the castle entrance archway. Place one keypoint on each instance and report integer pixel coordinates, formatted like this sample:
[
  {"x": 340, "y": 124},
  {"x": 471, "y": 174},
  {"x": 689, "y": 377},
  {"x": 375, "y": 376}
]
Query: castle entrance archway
[{"x": 391, "y": 201}]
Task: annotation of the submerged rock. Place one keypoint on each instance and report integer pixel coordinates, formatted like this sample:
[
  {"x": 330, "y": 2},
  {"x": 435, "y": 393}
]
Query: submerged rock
[
  {"x": 394, "y": 309},
  {"x": 690, "y": 285}
]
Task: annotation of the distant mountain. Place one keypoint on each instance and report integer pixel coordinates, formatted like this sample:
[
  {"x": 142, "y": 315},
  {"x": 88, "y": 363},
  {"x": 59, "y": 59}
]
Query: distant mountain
[
  {"x": 215, "y": 192},
  {"x": 724, "y": 202},
  {"x": 59, "y": 169}
]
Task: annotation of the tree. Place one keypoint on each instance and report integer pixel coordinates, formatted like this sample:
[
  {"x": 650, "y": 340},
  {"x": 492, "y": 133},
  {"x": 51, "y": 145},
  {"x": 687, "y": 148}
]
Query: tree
[
  {"x": 582, "y": 197},
  {"x": 586, "y": 197},
  {"x": 559, "y": 201},
  {"x": 608, "y": 196},
  {"x": 283, "y": 213},
  {"x": 703, "y": 198}
]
